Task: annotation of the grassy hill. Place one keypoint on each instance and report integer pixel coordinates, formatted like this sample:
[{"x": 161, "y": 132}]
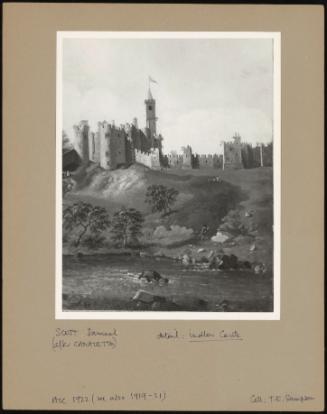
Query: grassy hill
[{"x": 201, "y": 200}]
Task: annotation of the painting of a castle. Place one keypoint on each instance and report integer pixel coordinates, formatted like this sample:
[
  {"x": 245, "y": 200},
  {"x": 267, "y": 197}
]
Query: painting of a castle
[{"x": 168, "y": 187}]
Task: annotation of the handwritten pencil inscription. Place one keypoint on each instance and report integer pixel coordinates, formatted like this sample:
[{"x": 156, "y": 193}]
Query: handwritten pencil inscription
[
  {"x": 201, "y": 335},
  {"x": 84, "y": 338}
]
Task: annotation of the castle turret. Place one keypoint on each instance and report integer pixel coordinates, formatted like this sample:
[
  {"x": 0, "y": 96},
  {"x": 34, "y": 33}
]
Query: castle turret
[
  {"x": 233, "y": 153},
  {"x": 187, "y": 157},
  {"x": 151, "y": 119},
  {"x": 82, "y": 140},
  {"x": 113, "y": 142}
]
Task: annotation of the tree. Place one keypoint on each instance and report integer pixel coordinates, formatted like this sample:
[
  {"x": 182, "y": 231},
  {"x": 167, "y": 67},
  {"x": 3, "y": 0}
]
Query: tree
[
  {"x": 85, "y": 219},
  {"x": 126, "y": 226},
  {"x": 161, "y": 198},
  {"x": 67, "y": 184},
  {"x": 66, "y": 144}
]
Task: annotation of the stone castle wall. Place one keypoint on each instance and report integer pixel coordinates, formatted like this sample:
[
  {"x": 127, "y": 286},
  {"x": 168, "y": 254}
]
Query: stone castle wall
[
  {"x": 259, "y": 156},
  {"x": 81, "y": 140},
  {"x": 94, "y": 147},
  {"x": 232, "y": 155},
  {"x": 210, "y": 161},
  {"x": 150, "y": 159},
  {"x": 267, "y": 155},
  {"x": 112, "y": 147},
  {"x": 194, "y": 161}
]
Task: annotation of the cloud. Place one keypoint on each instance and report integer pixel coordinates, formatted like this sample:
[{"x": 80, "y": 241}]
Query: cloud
[
  {"x": 207, "y": 88},
  {"x": 205, "y": 130}
]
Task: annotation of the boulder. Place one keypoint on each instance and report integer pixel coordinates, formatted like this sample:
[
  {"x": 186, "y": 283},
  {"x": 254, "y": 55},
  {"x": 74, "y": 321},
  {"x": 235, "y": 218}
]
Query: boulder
[
  {"x": 152, "y": 275},
  {"x": 147, "y": 297},
  {"x": 259, "y": 268},
  {"x": 220, "y": 237},
  {"x": 245, "y": 265},
  {"x": 228, "y": 262},
  {"x": 186, "y": 259}
]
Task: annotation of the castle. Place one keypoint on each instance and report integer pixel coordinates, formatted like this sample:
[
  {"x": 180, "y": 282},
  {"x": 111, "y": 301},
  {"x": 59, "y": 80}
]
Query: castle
[
  {"x": 235, "y": 155},
  {"x": 112, "y": 147}
]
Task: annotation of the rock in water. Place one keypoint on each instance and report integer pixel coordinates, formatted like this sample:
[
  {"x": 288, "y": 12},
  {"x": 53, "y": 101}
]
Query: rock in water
[{"x": 151, "y": 275}]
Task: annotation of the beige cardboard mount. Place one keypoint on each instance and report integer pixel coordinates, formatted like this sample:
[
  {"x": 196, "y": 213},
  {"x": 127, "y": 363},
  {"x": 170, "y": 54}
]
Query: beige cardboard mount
[{"x": 276, "y": 358}]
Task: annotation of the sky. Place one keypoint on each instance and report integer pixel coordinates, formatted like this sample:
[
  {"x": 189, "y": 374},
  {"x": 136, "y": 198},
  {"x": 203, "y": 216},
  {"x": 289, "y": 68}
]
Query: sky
[{"x": 207, "y": 89}]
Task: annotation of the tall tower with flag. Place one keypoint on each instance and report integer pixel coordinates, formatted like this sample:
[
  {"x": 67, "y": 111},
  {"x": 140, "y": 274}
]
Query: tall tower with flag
[{"x": 150, "y": 111}]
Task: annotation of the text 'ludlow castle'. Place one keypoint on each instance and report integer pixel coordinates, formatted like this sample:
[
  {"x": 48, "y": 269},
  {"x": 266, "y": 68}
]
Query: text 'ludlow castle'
[{"x": 113, "y": 147}]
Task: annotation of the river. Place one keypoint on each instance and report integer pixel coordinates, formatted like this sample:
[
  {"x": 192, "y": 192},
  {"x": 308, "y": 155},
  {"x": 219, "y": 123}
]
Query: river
[{"x": 109, "y": 282}]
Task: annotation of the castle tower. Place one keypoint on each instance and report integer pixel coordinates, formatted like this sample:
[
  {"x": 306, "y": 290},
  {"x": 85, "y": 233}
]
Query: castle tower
[
  {"x": 82, "y": 140},
  {"x": 187, "y": 157},
  {"x": 232, "y": 155},
  {"x": 150, "y": 111}
]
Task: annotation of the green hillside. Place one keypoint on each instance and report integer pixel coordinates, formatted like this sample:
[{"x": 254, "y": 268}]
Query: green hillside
[{"x": 201, "y": 200}]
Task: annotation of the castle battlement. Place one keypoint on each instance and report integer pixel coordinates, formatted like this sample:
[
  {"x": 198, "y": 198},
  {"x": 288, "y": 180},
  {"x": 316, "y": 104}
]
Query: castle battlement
[{"x": 114, "y": 146}]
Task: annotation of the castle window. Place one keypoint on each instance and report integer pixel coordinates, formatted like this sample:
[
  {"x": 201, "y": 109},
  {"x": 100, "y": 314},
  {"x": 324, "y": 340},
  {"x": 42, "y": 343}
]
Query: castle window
[{"x": 150, "y": 107}]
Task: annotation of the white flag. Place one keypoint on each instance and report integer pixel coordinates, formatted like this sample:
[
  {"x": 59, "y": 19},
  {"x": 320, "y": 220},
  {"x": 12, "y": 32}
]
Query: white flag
[{"x": 152, "y": 80}]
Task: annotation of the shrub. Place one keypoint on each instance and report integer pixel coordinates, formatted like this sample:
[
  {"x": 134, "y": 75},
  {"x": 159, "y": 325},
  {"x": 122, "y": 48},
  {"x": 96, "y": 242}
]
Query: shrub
[
  {"x": 126, "y": 226},
  {"x": 161, "y": 198}
]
